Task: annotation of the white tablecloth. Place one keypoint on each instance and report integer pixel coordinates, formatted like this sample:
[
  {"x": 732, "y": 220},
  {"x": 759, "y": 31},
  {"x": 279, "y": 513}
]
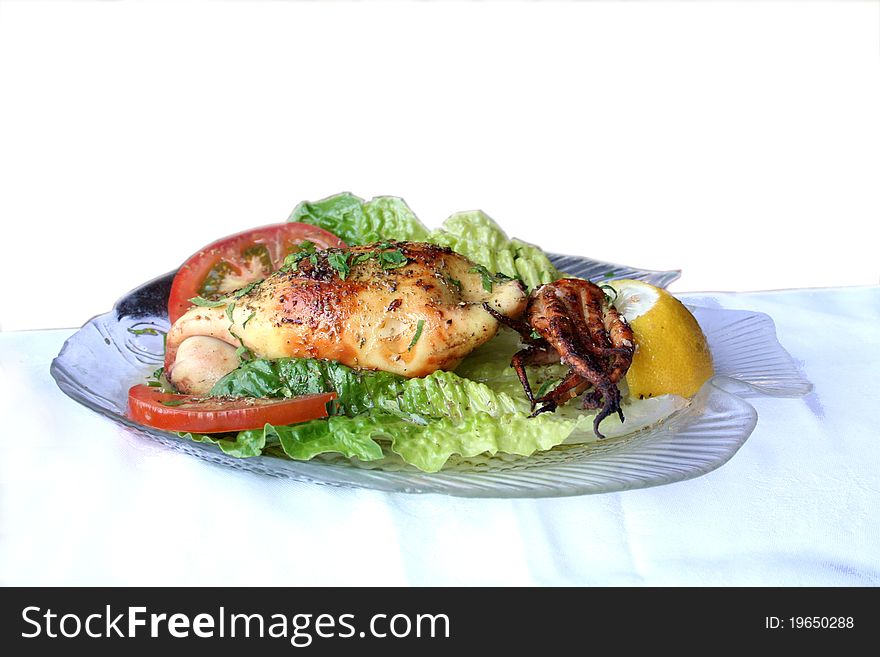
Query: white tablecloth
[{"x": 83, "y": 502}]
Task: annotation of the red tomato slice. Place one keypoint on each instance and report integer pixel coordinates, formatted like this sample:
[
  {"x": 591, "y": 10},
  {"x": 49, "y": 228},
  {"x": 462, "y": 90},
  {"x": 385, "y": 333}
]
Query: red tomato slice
[
  {"x": 172, "y": 412},
  {"x": 230, "y": 263}
]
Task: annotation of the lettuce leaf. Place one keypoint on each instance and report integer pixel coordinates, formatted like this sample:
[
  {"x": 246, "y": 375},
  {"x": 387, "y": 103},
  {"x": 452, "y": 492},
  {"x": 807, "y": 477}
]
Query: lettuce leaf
[
  {"x": 438, "y": 395},
  {"x": 474, "y": 235},
  {"x": 429, "y": 446},
  {"x": 426, "y": 420},
  {"x": 353, "y": 437},
  {"x": 358, "y": 391},
  {"x": 362, "y": 222},
  {"x": 490, "y": 364},
  {"x": 477, "y": 236},
  {"x": 425, "y": 446},
  {"x": 241, "y": 445}
]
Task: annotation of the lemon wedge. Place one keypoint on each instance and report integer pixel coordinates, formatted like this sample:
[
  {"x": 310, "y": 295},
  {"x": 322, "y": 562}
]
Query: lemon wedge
[{"x": 672, "y": 355}]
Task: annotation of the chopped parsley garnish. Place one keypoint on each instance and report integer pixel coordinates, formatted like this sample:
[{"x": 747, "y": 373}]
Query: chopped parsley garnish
[
  {"x": 535, "y": 335},
  {"x": 419, "y": 326},
  {"x": 362, "y": 257},
  {"x": 174, "y": 402},
  {"x": 392, "y": 259},
  {"x": 484, "y": 274},
  {"x": 238, "y": 294},
  {"x": 155, "y": 379},
  {"x": 546, "y": 387},
  {"x": 608, "y": 274},
  {"x": 243, "y": 353},
  {"x": 293, "y": 259},
  {"x": 386, "y": 259},
  {"x": 306, "y": 245},
  {"x": 145, "y": 331},
  {"x": 207, "y": 303},
  {"x": 454, "y": 282},
  {"x": 339, "y": 261}
]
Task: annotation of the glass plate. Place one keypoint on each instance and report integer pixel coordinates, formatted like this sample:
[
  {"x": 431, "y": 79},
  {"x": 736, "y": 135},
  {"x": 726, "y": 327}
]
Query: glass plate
[{"x": 110, "y": 353}]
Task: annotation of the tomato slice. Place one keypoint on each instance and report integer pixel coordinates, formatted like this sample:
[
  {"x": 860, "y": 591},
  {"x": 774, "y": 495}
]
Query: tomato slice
[
  {"x": 173, "y": 412},
  {"x": 232, "y": 262}
]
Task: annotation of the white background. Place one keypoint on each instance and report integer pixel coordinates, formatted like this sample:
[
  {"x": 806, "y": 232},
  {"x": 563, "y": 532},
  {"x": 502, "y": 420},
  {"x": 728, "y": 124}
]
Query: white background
[{"x": 737, "y": 142}]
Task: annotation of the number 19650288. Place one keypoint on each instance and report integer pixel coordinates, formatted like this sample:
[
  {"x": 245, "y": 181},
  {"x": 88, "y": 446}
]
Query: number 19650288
[{"x": 809, "y": 622}]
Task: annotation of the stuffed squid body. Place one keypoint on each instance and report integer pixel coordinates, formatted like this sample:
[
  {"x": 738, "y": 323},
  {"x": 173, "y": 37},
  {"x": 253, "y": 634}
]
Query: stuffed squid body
[{"x": 405, "y": 307}]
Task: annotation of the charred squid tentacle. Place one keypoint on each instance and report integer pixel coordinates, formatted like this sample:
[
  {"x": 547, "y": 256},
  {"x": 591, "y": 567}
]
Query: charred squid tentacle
[
  {"x": 569, "y": 388},
  {"x": 576, "y": 320},
  {"x": 518, "y": 362},
  {"x": 535, "y": 355},
  {"x": 623, "y": 344},
  {"x": 520, "y": 326},
  {"x": 591, "y": 400},
  {"x": 611, "y": 404}
]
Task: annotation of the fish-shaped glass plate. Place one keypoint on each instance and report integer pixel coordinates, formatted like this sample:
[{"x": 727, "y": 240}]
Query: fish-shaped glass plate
[{"x": 113, "y": 351}]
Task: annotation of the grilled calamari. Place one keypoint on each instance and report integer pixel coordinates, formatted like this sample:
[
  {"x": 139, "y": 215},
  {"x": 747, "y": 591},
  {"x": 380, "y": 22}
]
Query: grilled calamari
[
  {"x": 573, "y": 322},
  {"x": 405, "y": 307}
]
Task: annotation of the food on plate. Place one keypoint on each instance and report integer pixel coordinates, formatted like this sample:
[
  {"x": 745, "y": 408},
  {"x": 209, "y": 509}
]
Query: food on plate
[
  {"x": 453, "y": 343},
  {"x": 229, "y": 264},
  {"x": 404, "y": 307},
  {"x": 673, "y": 356}
]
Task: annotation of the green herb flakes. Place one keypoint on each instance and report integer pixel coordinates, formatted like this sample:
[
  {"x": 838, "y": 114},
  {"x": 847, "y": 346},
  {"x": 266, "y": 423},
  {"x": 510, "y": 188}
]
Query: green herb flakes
[
  {"x": 420, "y": 325},
  {"x": 243, "y": 354},
  {"x": 238, "y": 294},
  {"x": 547, "y": 387},
  {"x": 145, "y": 331},
  {"x": 485, "y": 275},
  {"x": 207, "y": 303},
  {"x": 392, "y": 259},
  {"x": 339, "y": 261}
]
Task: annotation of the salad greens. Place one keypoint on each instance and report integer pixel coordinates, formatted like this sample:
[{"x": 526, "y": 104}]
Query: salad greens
[
  {"x": 478, "y": 409},
  {"x": 357, "y": 222},
  {"x": 425, "y": 420},
  {"x": 474, "y": 235}
]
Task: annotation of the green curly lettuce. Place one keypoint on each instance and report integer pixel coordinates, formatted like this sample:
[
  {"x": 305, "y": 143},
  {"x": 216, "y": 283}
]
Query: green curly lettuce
[
  {"x": 478, "y": 237},
  {"x": 474, "y": 235},
  {"x": 425, "y": 420},
  {"x": 358, "y": 391},
  {"x": 356, "y": 221},
  {"x": 429, "y": 446}
]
